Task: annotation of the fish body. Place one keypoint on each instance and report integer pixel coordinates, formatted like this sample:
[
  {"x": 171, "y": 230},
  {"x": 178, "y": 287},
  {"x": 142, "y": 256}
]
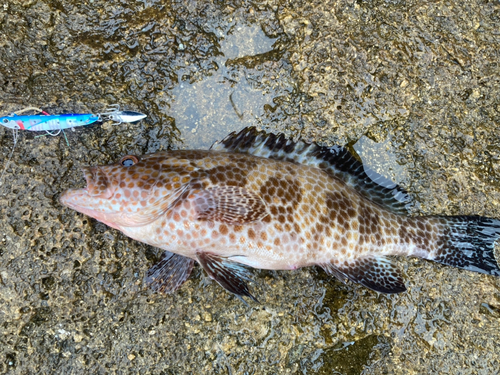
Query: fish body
[{"x": 262, "y": 201}]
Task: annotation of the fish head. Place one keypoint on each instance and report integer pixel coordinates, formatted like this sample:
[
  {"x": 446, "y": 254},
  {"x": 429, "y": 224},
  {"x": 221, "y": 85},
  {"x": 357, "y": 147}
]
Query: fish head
[{"x": 135, "y": 191}]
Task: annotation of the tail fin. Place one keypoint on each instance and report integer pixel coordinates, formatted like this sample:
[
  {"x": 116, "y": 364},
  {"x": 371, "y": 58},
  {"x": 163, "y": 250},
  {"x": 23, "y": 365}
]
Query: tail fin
[{"x": 469, "y": 243}]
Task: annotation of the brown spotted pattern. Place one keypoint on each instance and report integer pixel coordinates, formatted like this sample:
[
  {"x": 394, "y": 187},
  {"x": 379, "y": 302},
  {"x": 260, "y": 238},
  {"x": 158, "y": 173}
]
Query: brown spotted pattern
[{"x": 262, "y": 212}]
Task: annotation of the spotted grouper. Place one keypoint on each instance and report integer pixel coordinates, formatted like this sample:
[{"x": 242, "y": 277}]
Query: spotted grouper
[{"x": 259, "y": 200}]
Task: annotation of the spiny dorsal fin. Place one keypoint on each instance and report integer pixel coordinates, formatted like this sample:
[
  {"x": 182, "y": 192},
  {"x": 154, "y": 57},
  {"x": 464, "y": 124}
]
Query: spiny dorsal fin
[
  {"x": 379, "y": 274},
  {"x": 336, "y": 161}
]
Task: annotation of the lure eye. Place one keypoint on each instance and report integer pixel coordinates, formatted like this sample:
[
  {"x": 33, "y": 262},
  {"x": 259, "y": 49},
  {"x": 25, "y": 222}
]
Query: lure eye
[
  {"x": 5, "y": 121},
  {"x": 129, "y": 160}
]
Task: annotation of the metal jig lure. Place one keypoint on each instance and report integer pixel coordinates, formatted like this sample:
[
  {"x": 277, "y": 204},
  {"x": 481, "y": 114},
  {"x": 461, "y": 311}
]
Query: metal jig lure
[
  {"x": 114, "y": 114},
  {"x": 51, "y": 123},
  {"x": 54, "y": 124}
]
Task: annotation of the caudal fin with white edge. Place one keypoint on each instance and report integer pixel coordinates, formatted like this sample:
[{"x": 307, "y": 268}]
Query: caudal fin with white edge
[{"x": 469, "y": 243}]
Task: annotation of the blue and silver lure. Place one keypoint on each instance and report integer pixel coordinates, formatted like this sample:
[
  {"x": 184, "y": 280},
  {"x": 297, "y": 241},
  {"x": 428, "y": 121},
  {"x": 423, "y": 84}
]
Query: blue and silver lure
[
  {"x": 54, "y": 124},
  {"x": 50, "y": 123},
  {"x": 37, "y": 123}
]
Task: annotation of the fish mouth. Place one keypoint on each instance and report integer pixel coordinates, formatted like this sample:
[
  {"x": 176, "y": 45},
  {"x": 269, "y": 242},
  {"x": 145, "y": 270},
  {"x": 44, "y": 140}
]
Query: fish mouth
[
  {"x": 98, "y": 184},
  {"x": 89, "y": 176},
  {"x": 98, "y": 187}
]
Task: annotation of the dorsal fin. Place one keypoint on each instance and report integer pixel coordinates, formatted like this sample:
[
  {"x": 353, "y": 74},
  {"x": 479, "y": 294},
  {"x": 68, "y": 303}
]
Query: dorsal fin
[{"x": 336, "y": 161}]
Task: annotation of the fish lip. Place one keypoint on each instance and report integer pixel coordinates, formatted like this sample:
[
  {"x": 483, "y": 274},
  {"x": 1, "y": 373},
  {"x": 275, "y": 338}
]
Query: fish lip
[
  {"x": 94, "y": 177},
  {"x": 73, "y": 198},
  {"x": 67, "y": 197},
  {"x": 88, "y": 174}
]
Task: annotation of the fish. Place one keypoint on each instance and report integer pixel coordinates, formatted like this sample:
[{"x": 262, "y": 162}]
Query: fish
[{"x": 260, "y": 200}]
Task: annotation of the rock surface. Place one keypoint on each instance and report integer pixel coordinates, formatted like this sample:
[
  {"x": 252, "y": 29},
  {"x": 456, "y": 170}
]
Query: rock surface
[{"x": 419, "y": 78}]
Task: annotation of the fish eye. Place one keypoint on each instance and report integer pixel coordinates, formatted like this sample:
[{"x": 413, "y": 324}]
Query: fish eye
[{"x": 129, "y": 160}]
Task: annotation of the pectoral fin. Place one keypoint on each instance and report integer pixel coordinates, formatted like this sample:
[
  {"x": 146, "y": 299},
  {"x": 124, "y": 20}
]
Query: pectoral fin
[
  {"x": 229, "y": 204},
  {"x": 169, "y": 273},
  {"x": 230, "y": 275},
  {"x": 378, "y": 274}
]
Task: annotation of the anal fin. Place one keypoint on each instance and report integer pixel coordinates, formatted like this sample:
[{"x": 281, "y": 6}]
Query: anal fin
[
  {"x": 379, "y": 274},
  {"x": 169, "y": 273},
  {"x": 230, "y": 275}
]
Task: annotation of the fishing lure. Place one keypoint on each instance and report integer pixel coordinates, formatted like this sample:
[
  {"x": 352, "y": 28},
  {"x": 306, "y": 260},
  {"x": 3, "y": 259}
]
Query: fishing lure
[
  {"x": 51, "y": 123},
  {"x": 47, "y": 122},
  {"x": 114, "y": 114},
  {"x": 54, "y": 124}
]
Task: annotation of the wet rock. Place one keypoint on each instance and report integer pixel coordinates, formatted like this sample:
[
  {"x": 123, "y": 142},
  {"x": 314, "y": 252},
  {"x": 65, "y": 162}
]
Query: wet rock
[{"x": 419, "y": 78}]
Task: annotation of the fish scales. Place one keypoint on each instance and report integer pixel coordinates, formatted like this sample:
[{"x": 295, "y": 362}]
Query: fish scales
[{"x": 262, "y": 201}]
